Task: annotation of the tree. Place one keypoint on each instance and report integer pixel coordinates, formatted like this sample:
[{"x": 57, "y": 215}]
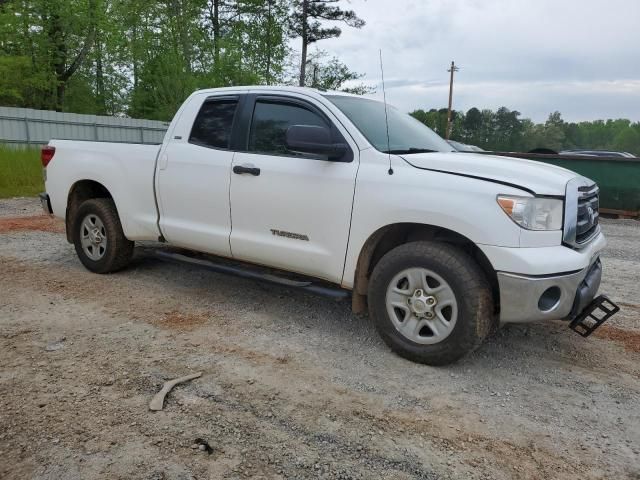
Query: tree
[
  {"x": 555, "y": 119},
  {"x": 472, "y": 125},
  {"x": 508, "y": 130},
  {"x": 18, "y": 82},
  {"x": 230, "y": 43},
  {"x": 486, "y": 134},
  {"x": 162, "y": 87},
  {"x": 549, "y": 135},
  {"x": 306, "y": 23},
  {"x": 332, "y": 75},
  {"x": 259, "y": 35},
  {"x": 436, "y": 120},
  {"x": 55, "y": 36},
  {"x": 97, "y": 55},
  {"x": 68, "y": 42},
  {"x": 504, "y": 130},
  {"x": 628, "y": 140}
]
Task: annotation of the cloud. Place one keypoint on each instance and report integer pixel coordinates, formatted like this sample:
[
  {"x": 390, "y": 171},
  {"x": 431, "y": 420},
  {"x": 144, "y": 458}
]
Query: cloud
[{"x": 536, "y": 56}]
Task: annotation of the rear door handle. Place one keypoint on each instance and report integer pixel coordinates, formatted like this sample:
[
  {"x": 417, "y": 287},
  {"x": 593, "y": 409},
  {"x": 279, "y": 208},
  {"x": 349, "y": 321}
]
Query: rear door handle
[{"x": 240, "y": 169}]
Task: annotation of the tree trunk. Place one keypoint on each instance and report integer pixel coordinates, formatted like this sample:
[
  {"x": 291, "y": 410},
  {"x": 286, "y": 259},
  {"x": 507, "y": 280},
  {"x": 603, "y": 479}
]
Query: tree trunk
[
  {"x": 100, "y": 94},
  {"x": 179, "y": 33},
  {"x": 184, "y": 37},
  {"x": 268, "y": 46},
  {"x": 135, "y": 49},
  {"x": 59, "y": 57},
  {"x": 305, "y": 28},
  {"x": 60, "y": 88},
  {"x": 56, "y": 36},
  {"x": 216, "y": 32}
]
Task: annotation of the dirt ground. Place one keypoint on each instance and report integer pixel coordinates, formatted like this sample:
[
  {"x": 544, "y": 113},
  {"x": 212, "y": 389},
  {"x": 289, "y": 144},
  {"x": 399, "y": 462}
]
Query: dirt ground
[{"x": 293, "y": 385}]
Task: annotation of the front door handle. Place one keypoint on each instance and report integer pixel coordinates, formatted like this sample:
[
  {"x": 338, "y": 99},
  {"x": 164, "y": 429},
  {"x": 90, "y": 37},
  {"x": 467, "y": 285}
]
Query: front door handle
[{"x": 240, "y": 169}]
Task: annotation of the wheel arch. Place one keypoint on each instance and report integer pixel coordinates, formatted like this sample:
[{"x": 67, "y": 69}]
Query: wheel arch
[
  {"x": 79, "y": 192},
  {"x": 393, "y": 235}
]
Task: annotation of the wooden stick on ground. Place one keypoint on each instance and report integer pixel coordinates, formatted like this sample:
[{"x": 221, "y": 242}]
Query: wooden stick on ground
[{"x": 157, "y": 402}]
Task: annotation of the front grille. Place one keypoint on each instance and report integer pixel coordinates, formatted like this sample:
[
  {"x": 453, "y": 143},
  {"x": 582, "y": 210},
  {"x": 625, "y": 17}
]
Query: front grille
[
  {"x": 588, "y": 213},
  {"x": 581, "y": 212}
]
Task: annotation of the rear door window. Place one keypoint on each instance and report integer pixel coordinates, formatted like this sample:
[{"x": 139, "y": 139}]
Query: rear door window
[{"x": 214, "y": 123}]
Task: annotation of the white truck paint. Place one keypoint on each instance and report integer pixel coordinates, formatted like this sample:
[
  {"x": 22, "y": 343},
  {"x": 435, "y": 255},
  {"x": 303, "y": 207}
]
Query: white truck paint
[{"x": 187, "y": 195}]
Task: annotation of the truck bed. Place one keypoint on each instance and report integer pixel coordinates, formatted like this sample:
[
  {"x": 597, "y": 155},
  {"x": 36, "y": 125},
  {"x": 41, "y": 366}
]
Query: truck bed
[{"x": 124, "y": 169}]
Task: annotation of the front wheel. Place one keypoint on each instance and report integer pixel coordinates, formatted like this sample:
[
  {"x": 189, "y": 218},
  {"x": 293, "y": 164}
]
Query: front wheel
[
  {"x": 98, "y": 237},
  {"x": 430, "y": 302}
]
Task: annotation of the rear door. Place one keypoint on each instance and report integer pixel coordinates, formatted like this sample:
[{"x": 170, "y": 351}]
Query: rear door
[
  {"x": 291, "y": 210},
  {"x": 193, "y": 176}
]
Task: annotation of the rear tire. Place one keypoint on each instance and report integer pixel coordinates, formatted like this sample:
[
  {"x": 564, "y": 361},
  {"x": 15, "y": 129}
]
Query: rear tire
[
  {"x": 98, "y": 237},
  {"x": 430, "y": 302}
]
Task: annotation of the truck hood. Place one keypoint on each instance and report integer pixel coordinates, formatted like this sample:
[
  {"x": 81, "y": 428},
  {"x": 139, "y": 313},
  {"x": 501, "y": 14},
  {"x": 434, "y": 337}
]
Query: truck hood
[{"x": 535, "y": 177}]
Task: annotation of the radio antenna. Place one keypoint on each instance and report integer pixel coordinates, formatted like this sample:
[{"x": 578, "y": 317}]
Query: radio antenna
[{"x": 386, "y": 115}]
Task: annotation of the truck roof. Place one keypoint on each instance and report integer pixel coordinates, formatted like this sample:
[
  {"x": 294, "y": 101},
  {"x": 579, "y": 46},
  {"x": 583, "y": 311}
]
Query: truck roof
[{"x": 280, "y": 88}]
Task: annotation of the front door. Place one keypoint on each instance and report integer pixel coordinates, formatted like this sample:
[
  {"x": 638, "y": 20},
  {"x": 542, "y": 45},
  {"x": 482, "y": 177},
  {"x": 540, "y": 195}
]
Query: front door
[{"x": 290, "y": 210}]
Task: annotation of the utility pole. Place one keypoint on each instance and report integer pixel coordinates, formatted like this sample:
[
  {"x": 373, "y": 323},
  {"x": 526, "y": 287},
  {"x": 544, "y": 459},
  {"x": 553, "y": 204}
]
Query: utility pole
[{"x": 452, "y": 70}]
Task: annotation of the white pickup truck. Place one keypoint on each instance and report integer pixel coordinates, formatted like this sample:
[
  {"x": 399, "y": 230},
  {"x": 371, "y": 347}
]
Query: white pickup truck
[{"x": 441, "y": 247}]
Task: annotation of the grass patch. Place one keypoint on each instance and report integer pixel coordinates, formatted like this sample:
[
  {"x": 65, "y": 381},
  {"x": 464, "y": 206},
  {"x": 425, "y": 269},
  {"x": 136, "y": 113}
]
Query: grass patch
[{"x": 20, "y": 172}]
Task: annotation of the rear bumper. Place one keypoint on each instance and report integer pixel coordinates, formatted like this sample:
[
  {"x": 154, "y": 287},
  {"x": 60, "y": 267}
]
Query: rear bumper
[
  {"x": 45, "y": 201},
  {"x": 548, "y": 297}
]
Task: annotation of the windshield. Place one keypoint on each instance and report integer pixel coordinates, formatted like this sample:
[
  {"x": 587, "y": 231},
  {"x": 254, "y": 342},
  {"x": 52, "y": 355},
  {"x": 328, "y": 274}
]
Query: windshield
[{"x": 406, "y": 134}]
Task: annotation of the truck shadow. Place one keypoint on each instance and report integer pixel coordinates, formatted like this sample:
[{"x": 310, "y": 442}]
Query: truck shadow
[{"x": 292, "y": 310}]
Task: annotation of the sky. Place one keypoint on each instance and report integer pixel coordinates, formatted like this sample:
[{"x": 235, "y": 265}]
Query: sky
[{"x": 581, "y": 57}]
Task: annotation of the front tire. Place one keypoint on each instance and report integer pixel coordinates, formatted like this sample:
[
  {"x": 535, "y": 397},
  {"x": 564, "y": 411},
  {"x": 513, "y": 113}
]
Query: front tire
[
  {"x": 430, "y": 302},
  {"x": 98, "y": 237}
]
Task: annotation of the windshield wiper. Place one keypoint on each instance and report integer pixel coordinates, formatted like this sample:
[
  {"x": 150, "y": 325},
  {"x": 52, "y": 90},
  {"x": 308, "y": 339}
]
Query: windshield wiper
[{"x": 409, "y": 150}]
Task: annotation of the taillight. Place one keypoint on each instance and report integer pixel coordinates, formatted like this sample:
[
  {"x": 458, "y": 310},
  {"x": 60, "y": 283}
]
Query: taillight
[{"x": 46, "y": 154}]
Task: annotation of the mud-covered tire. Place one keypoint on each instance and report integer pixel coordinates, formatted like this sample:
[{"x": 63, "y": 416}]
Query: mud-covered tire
[
  {"x": 117, "y": 251},
  {"x": 475, "y": 311}
]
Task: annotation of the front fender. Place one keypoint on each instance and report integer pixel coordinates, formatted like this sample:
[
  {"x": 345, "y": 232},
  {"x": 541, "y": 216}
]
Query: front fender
[{"x": 463, "y": 205}]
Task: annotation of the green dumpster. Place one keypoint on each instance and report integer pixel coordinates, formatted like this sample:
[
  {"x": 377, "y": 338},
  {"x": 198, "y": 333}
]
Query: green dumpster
[{"x": 617, "y": 177}]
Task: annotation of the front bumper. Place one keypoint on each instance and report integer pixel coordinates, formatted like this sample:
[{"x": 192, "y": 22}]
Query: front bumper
[{"x": 547, "y": 297}]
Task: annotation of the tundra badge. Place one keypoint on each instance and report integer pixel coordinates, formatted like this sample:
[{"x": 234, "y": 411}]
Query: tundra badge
[{"x": 295, "y": 236}]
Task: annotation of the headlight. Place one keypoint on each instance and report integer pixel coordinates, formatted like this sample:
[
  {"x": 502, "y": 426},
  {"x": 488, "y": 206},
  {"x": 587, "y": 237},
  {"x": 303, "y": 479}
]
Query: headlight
[{"x": 533, "y": 213}]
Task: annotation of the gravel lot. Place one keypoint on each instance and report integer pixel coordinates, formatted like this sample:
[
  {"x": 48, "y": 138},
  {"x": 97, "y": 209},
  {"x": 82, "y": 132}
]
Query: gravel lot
[{"x": 293, "y": 385}]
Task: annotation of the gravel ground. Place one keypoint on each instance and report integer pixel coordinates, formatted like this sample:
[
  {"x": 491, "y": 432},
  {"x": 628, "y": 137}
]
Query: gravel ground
[
  {"x": 293, "y": 385},
  {"x": 20, "y": 206}
]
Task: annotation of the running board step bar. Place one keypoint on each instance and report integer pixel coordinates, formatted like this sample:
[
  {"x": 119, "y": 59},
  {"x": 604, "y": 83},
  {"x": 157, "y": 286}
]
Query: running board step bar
[{"x": 337, "y": 293}]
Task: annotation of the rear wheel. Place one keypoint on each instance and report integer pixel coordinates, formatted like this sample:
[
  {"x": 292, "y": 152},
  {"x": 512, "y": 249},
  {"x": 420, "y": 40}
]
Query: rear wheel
[
  {"x": 430, "y": 302},
  {"x": 98, "y": 237}
]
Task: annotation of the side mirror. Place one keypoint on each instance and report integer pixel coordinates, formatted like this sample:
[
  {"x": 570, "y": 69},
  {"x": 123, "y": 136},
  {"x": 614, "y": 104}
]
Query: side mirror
[{"x": 313, "y": 139}]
